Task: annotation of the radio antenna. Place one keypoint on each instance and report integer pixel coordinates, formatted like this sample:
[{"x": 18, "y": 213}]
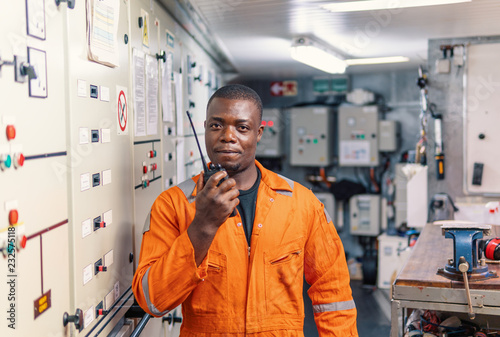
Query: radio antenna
[{"x": 197, "y": 143}]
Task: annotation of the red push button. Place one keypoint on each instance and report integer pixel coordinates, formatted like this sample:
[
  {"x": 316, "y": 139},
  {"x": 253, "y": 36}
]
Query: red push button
[
  {"x": 18, "y": 160},
  {"x": 13, "y": 217},
  {"x": 152, "y": 154},
  {"x": 11, "y": 132},
  {"x": 154, "y": 166},
  {"x": 144, "y": 169},
  {"x": 22, "y": 242}
]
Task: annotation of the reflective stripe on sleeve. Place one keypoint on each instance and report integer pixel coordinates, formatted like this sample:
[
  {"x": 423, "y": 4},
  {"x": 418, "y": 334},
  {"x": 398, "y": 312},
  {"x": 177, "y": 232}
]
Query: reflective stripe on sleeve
[
  {"x": 147, "y": 223},
  {"x": 289, "y": 181},
  {"x": 145, "y": 291},
  {"x": 187, "y": 187},
  {"x": 328, "y": 218},
  {"x": 335, "y": 306},
  {"x": 286, "y": 193}
]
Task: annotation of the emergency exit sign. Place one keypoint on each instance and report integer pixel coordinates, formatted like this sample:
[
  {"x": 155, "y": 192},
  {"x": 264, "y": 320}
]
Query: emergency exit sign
[{"x": 284, "y": 88}]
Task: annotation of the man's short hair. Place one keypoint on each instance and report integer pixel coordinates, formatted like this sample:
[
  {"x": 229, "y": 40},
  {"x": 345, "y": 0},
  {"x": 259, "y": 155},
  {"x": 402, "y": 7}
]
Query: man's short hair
[{"x": 238, "y": 91}]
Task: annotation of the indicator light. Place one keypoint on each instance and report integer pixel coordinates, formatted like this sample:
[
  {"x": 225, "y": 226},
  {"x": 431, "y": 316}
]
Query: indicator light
[
  {"x": 18, "y": 160},
  {"x": 5, "y": 161},
  {"x": 21, "y": 243},
  {"x": 11, "y": 132},
  {"x": 13, "y": 217}
]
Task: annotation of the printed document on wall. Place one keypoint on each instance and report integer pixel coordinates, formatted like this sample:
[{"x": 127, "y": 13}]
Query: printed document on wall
[
  {"x": 166, "y": 89},
  {"x": 178, "y": 102},
  {"x": 152, "y": 94},
  {"x": 102, "y": 31},
  {"x": 139, "y": 97}
]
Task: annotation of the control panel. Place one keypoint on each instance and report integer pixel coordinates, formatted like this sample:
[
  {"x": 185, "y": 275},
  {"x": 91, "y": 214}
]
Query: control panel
[
  {"x": 364, "y": 214},
  {"x": 311, "y": 136},
  {"x": 271, "y": 143},
  {"x": 358, "y": 135}
]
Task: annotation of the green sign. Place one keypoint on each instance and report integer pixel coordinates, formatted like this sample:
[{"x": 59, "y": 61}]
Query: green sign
[
  {"x": 321, "y": 86},
  {"x": 339, "y": 84}
]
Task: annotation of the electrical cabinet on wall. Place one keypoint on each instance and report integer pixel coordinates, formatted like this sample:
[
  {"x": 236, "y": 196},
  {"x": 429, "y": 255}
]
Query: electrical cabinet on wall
[
  {"x": 270, "y": 145},
  {"x": 101, "y": 207},
  {"x": 358, "y": 135},
  {"x": 34, "y": 167},
  {"x": 481, "y": 139},
  {"x": 364, "y": 210},
  {"x": 311, "y": 142}
]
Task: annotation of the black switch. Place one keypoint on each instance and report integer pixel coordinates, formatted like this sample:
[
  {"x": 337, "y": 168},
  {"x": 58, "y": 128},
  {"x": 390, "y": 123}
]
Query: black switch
[
  {"x": 94, "y": 93},
  {"x": 96, "y": 179},
  {"x": 98, "y": 223},
  {"x": 95, "y": 136},
  {"x": 477, "y": 174}
]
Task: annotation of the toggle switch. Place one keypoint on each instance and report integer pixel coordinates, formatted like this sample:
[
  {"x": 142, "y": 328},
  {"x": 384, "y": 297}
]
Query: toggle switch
[
  {"x": 99, "y": 223},
  {"x": 99, "y": 267},
  {"x": 10, "y": 131},
  {"x": 152, "y": 154},
  {"x": 13, "y": 217},
  {"x": 28, "y": 70},
  {"x": 5, "y": 161},
  {"x": 102, "y": 312},
  {"x": 18, "y": 160}
]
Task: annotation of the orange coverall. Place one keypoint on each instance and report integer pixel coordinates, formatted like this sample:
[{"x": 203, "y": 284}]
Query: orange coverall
[{"x": 247, "y": 291}]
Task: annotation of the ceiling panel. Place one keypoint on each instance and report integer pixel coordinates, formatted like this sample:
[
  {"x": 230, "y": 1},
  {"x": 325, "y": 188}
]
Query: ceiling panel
[{"x": 257, "y": 34}]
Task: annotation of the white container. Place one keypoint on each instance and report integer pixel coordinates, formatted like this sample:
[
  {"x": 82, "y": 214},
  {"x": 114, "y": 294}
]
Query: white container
[{"x": 393, "y": 251}]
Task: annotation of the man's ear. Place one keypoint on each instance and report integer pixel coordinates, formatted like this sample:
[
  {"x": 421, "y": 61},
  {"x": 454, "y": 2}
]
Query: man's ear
[{"x": 260, "y": 132}]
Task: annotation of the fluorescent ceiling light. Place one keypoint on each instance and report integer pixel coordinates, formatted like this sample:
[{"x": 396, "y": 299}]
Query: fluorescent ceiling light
[
  {"x": 315, "y": 55},
  {"x": 377, "y": 60},
  {"x": 371, "y": 5}
]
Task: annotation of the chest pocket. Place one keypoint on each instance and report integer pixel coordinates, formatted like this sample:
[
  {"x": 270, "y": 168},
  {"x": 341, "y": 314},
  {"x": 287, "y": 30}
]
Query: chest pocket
[
  {"x": 211, "y": 295},
  {"x": 284, "y": 274}
]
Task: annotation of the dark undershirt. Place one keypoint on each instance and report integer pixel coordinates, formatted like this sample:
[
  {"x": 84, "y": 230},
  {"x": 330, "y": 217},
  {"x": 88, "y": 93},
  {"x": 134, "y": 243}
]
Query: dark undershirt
[{"x": 246, "y": 207}]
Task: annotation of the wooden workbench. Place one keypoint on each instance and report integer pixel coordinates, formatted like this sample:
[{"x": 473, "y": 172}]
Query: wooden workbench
[{"x": 419, "y": 286}]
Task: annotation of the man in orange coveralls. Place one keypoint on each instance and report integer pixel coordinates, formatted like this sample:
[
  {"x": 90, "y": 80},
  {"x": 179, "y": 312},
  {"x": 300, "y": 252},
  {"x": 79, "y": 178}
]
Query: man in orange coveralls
[{"x": 243, "y": 275}]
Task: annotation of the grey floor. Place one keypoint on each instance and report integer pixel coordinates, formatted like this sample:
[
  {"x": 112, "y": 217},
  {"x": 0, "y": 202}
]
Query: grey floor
[{"x": 373, "y": 307}]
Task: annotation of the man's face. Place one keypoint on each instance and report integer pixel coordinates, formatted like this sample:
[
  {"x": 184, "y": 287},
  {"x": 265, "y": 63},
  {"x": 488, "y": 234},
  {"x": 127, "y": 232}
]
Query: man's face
[{"x": 232, "y": 130}]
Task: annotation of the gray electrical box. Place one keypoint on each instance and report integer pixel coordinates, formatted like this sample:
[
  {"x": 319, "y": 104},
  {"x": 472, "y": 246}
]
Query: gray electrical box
[
  {"x": 389, "y": 134},
  {"x": 364, "y": 210},
  {"x": 358, "y": 135},
  {"x": 271, "y": 144},
  {"x": 311, "y": 142}
]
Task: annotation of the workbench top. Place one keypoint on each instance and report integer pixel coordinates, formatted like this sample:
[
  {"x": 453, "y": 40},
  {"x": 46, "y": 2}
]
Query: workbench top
[{"x": 432, "y": 251}]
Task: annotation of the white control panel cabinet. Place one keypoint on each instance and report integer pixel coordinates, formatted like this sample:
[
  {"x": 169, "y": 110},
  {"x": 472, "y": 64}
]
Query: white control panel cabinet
[
  {"x": 364, "y": 210},
  {"x": 311, "y": 142},
  {"x": 271, "y": 143},
  {"x": 358, "y": 135}
]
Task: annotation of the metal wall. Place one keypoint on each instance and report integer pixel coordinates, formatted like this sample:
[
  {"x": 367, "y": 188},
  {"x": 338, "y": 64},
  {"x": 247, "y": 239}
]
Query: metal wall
[
  {"x": 447, "y": 92},
  {"x": 89, "y": 176}
]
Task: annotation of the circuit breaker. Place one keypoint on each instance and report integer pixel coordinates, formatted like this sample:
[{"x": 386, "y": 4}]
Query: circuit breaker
[
  {"x": 364, "y": 214},
  {"x": 311, "y": 141},
  {"x": 358, "y": 135},
  {"x": 270, "y": 145}
]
